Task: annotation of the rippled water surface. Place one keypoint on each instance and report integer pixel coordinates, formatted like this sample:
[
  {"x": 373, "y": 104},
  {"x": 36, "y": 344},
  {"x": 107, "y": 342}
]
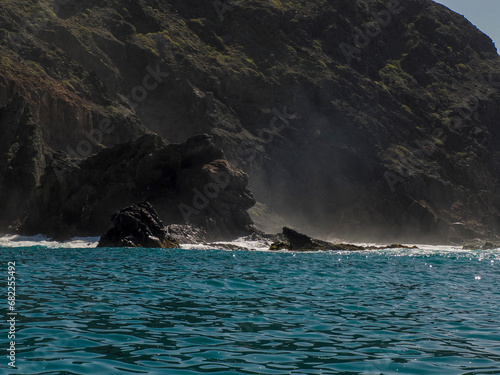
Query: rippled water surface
[{"x": 140, "y": 311}]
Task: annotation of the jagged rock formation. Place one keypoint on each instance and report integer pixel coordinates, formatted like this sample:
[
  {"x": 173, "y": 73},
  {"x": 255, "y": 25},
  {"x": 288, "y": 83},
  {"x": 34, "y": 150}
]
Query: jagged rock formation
[
  {"x": 187, "y": 183},
  {"x": 296, "y": 241},
  {"x": 137, "y": 226},
  {"x": 300, "y": 242},
  {"x": 361, "y": 118},
  {"x": 186, "y": 234}
]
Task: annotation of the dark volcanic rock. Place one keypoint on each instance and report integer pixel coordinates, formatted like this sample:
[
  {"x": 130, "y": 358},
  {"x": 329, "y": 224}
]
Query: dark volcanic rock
[
  {"x": 22, "y": 159},
  {"x": 137, "y": 226},
  {"x": 489, "y": 246},
  {"x": 281, "y": 246},
  {"x": 188, "y": 183},
  {"x": 187, "y": 234},
  {"x": 300, "y": 242},
  {"x": 478, "y": 244}
]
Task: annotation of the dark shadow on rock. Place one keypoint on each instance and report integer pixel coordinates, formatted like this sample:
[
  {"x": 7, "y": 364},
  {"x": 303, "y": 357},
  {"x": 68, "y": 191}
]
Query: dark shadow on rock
[
  {"x": 137, "y": 226},
  {"x": 186, "y": 234},
  {"x": 188, "y": 184},
  {"x": 296, "y": 241},
  {"x": 300, "y": 242}
]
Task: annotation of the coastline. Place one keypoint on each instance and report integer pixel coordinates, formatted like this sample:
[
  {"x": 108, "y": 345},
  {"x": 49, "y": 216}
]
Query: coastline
[{"x": 17, "y": 241}]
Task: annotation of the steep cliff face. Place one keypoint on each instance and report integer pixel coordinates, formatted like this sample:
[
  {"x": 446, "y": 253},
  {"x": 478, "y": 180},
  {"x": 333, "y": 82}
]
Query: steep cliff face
[
  {"x": 22, "y": 159},
  {"x": 360, "y": 118},
  {"x": 187, "y": 183}
]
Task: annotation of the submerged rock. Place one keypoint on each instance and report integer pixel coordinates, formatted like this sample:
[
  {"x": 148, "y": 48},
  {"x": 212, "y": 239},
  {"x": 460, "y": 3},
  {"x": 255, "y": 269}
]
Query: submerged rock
[{"x": 137, "y": 226}]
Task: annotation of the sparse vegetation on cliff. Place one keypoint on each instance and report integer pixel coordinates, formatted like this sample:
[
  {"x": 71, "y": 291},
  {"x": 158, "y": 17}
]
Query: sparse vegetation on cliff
[{"x": 376, "y": 141}]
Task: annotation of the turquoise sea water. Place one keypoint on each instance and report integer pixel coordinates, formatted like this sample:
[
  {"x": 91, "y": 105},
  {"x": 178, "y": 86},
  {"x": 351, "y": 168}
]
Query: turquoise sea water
[{"x": 142, "y": 311}]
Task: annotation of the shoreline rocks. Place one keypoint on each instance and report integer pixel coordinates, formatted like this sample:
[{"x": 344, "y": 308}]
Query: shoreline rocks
[
  {"x": 137, "y": 226},
  {"x": 296, "y": 241}
]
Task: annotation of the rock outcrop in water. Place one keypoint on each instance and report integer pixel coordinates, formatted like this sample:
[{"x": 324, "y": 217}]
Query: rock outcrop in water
[
  {"x": 189, "y": 183},
  {"x": 390, "y": 132},
  {"x": 300, "y": 242},
  {"x": 137, "y": 226},
  {"x": 296, "y": 241}
]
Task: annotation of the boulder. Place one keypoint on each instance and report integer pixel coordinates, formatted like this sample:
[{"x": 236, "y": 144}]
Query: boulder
[{"x": 137, "y": 226}]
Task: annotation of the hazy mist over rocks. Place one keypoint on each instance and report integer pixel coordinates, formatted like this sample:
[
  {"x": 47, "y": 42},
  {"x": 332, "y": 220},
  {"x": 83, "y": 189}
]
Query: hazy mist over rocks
[{"x": 365, "y": 120}]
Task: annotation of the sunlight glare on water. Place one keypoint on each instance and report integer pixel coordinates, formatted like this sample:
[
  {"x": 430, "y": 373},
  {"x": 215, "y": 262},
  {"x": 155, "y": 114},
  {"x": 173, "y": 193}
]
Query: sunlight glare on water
[{"x": 154, "y": 311}]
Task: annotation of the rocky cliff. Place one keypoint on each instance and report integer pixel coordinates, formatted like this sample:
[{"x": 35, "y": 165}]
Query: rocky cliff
[
  {"x": 187, "y": 183},
  {"x": 358, "y": 118}
]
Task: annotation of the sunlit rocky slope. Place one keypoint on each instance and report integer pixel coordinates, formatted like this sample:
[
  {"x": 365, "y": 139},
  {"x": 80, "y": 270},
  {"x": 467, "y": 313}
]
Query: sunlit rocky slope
[{"x": 351, "y": 118}]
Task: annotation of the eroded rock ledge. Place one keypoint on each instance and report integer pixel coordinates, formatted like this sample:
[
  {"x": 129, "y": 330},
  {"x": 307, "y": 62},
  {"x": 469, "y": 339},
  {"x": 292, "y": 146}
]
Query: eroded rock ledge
[{"x": 140, "y": 226}]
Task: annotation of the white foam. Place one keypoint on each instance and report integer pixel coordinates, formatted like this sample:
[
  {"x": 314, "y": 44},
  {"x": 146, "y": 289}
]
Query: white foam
[
  {"x": 240, "y": 243},
  {"x": 16, "y": 241},
  {"x": 12, "y": 241},
  {"x": 188, "y": 246},
  {"x": 419, "y": 246}
]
